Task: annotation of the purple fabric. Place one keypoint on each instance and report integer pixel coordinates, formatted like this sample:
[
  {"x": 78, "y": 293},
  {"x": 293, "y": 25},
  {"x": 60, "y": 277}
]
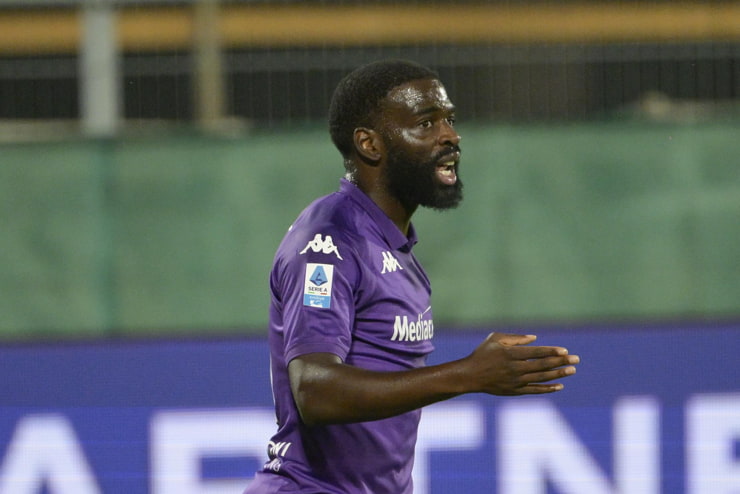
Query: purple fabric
[{"x": 345, "y": 281}]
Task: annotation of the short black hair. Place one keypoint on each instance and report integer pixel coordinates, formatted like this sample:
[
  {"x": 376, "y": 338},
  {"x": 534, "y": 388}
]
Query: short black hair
[{"x": 357, "y": 96}]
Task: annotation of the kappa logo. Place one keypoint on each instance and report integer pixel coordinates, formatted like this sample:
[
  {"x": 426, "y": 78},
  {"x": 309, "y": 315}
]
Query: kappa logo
[
  {"x": 320, "y": 244},
  {"x": 390, "y": 263}
]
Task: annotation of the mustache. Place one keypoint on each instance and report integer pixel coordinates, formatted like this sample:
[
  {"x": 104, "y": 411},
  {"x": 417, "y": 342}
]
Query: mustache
[{"x": 448, "y": 151}]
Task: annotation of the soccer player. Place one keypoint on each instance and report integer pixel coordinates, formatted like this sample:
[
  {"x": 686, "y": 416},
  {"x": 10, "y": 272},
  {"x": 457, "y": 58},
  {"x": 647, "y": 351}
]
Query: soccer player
[{"x": 351, "y": 320}]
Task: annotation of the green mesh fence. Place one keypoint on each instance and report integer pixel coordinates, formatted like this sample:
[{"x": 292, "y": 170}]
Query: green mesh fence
[{"x": 560, "y": 223}]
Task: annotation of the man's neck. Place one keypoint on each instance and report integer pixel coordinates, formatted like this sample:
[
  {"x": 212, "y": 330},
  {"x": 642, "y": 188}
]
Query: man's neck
[{"x": 399, "y": 214}]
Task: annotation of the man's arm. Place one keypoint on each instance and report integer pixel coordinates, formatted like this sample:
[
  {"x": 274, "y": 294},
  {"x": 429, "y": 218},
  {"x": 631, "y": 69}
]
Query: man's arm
[{"x": 327, "y": 391}]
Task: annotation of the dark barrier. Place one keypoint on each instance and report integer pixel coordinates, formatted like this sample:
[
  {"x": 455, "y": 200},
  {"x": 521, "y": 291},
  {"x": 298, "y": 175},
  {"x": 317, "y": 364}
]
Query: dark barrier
[{"x": 653, "y": 409}]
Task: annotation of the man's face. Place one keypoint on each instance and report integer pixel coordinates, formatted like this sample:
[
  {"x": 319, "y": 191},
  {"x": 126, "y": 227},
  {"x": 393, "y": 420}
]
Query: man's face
[{"x": 422, "y": 146}]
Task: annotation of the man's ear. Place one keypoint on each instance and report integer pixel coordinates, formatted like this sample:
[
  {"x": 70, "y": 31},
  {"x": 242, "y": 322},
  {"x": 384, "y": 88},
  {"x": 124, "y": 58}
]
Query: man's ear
[{"x": 369, "y": 145}]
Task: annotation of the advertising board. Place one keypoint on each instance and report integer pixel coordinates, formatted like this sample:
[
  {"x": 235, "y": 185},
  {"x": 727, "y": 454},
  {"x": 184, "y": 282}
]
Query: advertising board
[{"x": 652, "y": 410}]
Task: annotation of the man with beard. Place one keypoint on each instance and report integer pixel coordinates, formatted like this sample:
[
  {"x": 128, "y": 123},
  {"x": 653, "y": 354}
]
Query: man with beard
[{"x": 350, "y": 317}]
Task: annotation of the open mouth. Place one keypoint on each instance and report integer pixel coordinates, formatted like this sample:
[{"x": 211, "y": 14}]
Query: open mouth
[{"x": 446, "y": 170}]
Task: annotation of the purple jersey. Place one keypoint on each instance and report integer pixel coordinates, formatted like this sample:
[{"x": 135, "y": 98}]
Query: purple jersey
[{"x": 345, "y": 281}]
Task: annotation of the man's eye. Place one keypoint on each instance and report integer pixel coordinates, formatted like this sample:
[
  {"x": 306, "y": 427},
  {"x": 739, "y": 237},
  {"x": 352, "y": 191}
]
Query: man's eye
[
  {"x": 451, "y": 120},
  {"x": 425, "y": 124}
]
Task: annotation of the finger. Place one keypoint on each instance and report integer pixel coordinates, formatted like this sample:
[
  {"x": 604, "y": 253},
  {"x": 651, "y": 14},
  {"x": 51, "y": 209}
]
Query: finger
[
  {"x": 548, "y": 363},
  {"x": 536, "y": 389},
  {"x": 536, "y": 352},
  {"x": 508, "y": 339},
  {"x": 550, "y": 375}
]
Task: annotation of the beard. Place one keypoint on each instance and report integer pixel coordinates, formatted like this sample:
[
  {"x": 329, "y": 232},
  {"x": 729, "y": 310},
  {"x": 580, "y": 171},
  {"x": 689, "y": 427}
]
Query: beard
[{"x": 413, "y": 181}]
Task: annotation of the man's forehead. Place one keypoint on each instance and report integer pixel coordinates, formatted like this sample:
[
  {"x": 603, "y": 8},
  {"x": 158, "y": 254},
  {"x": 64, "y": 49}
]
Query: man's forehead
[{"x": 419, "y": 94}]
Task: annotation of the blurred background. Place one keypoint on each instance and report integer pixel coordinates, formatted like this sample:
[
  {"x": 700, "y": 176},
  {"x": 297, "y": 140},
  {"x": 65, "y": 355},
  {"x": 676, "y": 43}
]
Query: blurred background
[{"x": 154, "y": 152}]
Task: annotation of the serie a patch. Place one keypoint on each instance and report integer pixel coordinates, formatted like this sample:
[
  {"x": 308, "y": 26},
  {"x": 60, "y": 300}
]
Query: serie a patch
[{"x": 317, "y": 285}]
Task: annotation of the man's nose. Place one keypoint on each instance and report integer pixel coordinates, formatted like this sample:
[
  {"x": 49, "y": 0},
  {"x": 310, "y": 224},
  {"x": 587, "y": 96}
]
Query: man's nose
[{"x": 449, "y": 135}]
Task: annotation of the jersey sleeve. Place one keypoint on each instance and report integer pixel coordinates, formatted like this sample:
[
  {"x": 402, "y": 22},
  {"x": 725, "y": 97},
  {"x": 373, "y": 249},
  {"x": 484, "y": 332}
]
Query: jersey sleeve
[{"x": 313, "y": 281}]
